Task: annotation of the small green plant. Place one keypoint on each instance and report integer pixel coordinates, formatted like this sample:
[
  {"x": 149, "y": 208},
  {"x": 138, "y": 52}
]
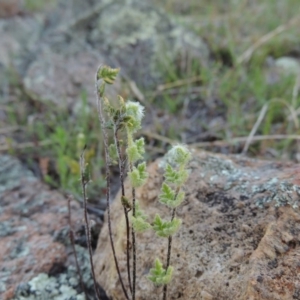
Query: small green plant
[
  {"x": 171, "y": 196},
  {"x": 35, "y": 5},
  {"x": 52, "y": 139},
  {"x": 123, "y": 119}
]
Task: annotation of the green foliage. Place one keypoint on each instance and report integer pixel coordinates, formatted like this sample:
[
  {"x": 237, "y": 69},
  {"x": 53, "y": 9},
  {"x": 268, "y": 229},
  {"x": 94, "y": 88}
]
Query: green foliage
[
  {"x": 160, "y": 276},
  {"x": 112, "y": 150},
  {"x": 57, "y": 140},
  {"x": 139, "y": 213},
  {"x": 138, "y": 175},
  {"x": 136, "y": 150},
  {"x": 179, "y": 154},
  {"x": 134, "y": 113},
  {"x": 165, "y": 228},
  {"x": 169, "y": 197},
  {"x": 125, "y": 202},
  {"x": 139, "y": 222},
  {"x": 107, "y": 74},
  {"x": 177, "y": 177},
  {"x": 36, "y": 5},
  {"x": 140, "y": 144},
  {"x": 236, "y": 92},
  {"x": 116, "y": 115}
]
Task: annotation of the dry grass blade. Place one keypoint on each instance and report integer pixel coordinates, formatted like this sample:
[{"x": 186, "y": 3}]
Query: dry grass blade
[
  {"x": 262, "y": 115},
  {"x": 9, "y": 129},
  {"x": 245, "y": 57},
  {"x": 255, "y": 127},
  {"x": 15, "y": 146},
  {"x": 177, "y": 83},
  {"x": 138, "y": 94},
  {"x": 158, "y": 137},
  {"x": 244, "y": 139}
]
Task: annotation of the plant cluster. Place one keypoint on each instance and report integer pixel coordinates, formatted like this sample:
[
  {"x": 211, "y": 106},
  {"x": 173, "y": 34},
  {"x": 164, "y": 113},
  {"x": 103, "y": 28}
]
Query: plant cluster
[{"x": 123, "y": 120}]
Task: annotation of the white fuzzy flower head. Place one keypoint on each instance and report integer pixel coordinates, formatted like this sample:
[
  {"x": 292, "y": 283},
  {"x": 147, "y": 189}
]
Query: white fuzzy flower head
[
  {"x": 179, "y": 154},
  {"x": 135, "y": 110}
]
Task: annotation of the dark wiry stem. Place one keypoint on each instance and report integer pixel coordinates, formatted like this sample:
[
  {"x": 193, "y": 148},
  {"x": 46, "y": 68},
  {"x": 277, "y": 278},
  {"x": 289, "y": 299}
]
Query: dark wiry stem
[
  {"x": 121, "y": 171},
  {"x": 71, "y": 234},
  {"x": 133, "y": 242},
  {"x": 107, "y": 159},
  {"x": 170, "y": 247},
  {"x": 84, "y": 182}
]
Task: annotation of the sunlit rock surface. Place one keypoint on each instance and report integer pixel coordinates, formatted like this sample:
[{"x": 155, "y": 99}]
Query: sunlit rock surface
[
  {"x": 234, "y": 243},
  {"x": 36, "y": 260},
  {"x": 55, "y": 54}
]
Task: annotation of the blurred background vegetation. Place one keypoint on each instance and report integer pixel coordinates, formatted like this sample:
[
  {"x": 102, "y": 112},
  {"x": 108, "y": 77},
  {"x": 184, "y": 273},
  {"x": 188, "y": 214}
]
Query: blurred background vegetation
[{"x": 245, "y": 101}]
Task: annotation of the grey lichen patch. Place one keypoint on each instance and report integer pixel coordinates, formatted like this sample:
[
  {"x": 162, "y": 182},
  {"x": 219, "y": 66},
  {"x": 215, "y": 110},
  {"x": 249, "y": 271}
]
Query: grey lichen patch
[
  {"x": 224, "y": 170},
  {"x": 281, "y": 192},
  {"x": 6, "y": 228},
  {"x": 19, "y": 249},
  {"x": 61, "y": 287},
  {"x": 11, "y": 173},
  {"x": 142, "y": 37},
  {"x": 221, "y": 167},
  {"x": 46, "y": 287},
  {"x": 249, "y": 182},
  {"x": 140, "y": 24},
  {"x": 4, "y": 277},
  {"x": 27, "y": 205}
]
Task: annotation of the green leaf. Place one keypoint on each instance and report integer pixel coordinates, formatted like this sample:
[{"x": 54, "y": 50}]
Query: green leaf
[
  {"x": 140, "y": 143},
  {"x": 107, "y": 74},
  {"x": 165, "y": 228},
  {"x": 138, "y": 175},
  {"x": 139, "y": 213},
  {"x": 177, "y": 177},
  {"x": 139, "y": 221},
  {"x": 133, "y": 153},
  {"x": 160, "y": 276},
  {"x": 169, "y": 196},
  {"x": 112, "y": 150},
  {"x": 139, "y": 224},
  {"x": 179, "y": 154},
  {"x": 125, "y": 202},
  {"x": 108, "y": 108},
  {"x": 122, "y": 106},
  {"x": 101, "y": 89},
  {"x": 132, "y": 125},
  {"x": 136, "y": 150}
]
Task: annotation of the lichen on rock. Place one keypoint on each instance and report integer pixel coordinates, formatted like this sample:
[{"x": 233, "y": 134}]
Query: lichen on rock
[
  {"x": 61, "y": 287},
  {"x": 35, "y": 252},
  {"x": 228, "y": 247}
]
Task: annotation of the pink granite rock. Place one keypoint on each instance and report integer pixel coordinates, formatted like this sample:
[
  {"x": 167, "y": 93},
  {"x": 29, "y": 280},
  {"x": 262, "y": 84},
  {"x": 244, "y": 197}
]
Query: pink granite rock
[
  {"x": 33, "y": 227},
  {"x": 234, "y": 243}
]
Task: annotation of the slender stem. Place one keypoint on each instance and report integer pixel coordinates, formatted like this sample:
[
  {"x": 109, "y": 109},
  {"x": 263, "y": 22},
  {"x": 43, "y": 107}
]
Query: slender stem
[
  {"x": 84, "y": 182},
  {"x": 169, "y": 251},
  {"x": 107, "y": 159},
  {"x": 71, "y": 234},
  {"x": 121, "y": 172},
  {"x": 133, "y": 242}
]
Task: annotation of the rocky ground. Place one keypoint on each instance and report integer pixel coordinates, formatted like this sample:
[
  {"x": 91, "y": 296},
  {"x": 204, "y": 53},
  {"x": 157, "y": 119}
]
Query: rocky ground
[
  {"x": 37, "y": 261},
  {"x": 239, "y": 237},
  {"x": 234, "y": 243},
  {"x": 51, "y": 56}
]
